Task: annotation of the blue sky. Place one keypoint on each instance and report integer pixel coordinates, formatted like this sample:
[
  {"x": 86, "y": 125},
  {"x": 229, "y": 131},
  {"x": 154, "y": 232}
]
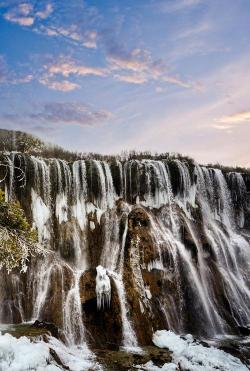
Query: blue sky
[{"x": 104, "y": 76}]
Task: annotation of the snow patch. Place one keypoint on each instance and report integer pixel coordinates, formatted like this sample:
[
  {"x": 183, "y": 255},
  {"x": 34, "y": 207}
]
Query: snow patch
[
  {"x": 79, "y": 212},
  {"x": 91, "y": 208},
  {"x": 92, "y": 225},
  {"x": 62, "y": 208},
  {"x": 23, "y": 355},
  {"x": 150, "y": 366},
  {"x": 195, "y": 357}
]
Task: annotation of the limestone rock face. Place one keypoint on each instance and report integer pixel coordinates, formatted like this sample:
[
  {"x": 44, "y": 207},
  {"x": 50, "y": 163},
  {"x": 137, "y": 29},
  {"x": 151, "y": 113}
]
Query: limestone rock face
[
  {"x": 60, "y": 283},
  {"x": 104, "y": 326},
  {"x": 143, "y": 286},
  {"x": 10, "y": 297}
]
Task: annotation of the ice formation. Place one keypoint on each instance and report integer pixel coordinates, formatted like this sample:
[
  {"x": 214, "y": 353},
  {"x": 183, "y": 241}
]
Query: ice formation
[
  {"x": 41, "y": 215},
  {"x": 103, "y": 287}
]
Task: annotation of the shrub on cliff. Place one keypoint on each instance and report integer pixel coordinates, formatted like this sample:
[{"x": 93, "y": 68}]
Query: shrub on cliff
[
  {"x": 18, "y": 241},
  {"x": 19, "y": 141}
]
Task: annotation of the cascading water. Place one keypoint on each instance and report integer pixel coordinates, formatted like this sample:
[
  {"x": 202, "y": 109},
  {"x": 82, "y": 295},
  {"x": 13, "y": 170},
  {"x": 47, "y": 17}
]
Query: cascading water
[{"x": 194, "y": 272}]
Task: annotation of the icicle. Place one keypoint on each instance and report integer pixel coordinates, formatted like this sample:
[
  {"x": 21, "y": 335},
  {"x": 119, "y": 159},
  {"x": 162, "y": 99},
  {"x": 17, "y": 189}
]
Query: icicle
[{"x": 103, "y": 288}]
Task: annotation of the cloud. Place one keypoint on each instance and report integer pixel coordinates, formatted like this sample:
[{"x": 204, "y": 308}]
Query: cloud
[
  {"x": 87, "y": 38},
  {"x": 194, "y": 30},
  {"x": 138, "y": 67},
  {"x": 73, "y": 32},
  {"x": 9, "y": 76},
  {"x": 131, "y": 79},
  {"x": 235, "y": 118},
  {"x": 177, "y": 81},
  {"x": 64, "y": 68},
  {"x": 21, "y": 14},
  {"x": 63, "y": 85},
  {"x": 73, "y": 21},
  {"x": 45, "y": 13},
  {"x": 134, "y": 67},
  {"x": 3, "y": 69},
  {"x": 67, "y": 67},
  {"x": 90, "y": 39},
  {"x": 221, "y": 127},
  {"x": 25, "y": 15},
  {"x": 72, "y": 113},
  {"x": 25, "y": 79},
  {"x": 178, "y": 5},
  {"x": 137, "y": 60},
  {"x": 63, "y": 113},
  {"x": 79, "y": 25}
]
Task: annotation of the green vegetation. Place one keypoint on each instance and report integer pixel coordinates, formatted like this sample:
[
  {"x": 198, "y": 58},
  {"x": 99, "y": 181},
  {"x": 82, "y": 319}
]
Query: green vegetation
[
  {"x": 19, "y": 142},
  {"x": 24, "y": 329},
  {"x": 18, "y": 241}
]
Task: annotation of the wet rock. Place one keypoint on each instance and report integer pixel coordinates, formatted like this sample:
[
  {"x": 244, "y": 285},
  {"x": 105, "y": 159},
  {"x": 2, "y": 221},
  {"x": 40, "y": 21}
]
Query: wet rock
[
  {"x": 138, "y": 218},
  {"x": 27, "y": 330},
  {"x": 103, "y": 327},
  {"x": 64, "y": 239},
  {"x": 61, "y": 280},
  {"x": 143, "y": 286},
  {"x": 123, "y": 361},
  {"x": 48, "y": 326},
  {"x": 95, "y": 239},
  {"x": 57, "y": 359},
  {"x": 244, "y": 330},
  {"x": 238, "y": 350},
  {"x": 11, "y": 288}
]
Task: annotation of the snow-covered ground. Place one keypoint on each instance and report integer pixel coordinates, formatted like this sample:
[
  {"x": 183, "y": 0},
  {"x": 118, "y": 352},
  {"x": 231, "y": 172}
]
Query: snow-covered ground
[
  {"x": 24, "y": 355},
  {"x": 192, "y": 356}
]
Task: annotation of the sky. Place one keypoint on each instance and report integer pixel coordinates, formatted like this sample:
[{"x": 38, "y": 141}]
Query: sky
[{"x": 106, "y": 76}]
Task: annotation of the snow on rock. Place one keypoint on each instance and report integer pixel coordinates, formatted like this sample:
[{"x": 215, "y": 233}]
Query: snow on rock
[
  {"x": 92, "y": 225},
  {"x": 76, "y": 358},
  {"x": 22, "y": 355},
  {"x": 150, "y": 366},
  {"x": 79, "y": 212},
  {"x": 103, "y": 287},
  {"x": 62, "y": 208},
  {"x": 94, "y": 210},
  {"x": 195, "y": 357}
]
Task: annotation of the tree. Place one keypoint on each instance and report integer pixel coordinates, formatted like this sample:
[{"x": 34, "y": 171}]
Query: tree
[
  {"x": 20, "y": 142},
  {"x": 18, "y": 241}
]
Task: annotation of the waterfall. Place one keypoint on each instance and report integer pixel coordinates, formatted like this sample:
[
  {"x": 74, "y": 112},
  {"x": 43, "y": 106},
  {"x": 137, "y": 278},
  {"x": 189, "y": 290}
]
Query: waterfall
[
  {"x": 113, "y": 259},
  {"x": 187, "y": 190},
  {"x": 73, "y": 324},
  {"x": 230, "y": 248},
  {"x": 129, "y": 337},
  {"x": 179, "y": 228},
  {"x": 239, "y": 196}
]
